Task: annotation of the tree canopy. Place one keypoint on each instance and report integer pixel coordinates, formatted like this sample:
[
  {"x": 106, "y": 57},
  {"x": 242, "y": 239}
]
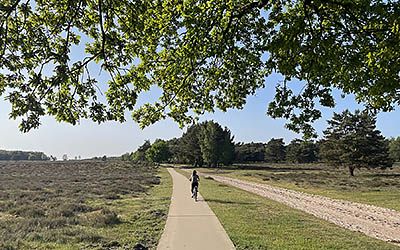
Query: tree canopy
[
  {"x": 140, "y": 154},
  {"x": 158, "y": 152},
  {"x": 203, "y": 55},
  {"x": 249, "y": 152},
  {"x": 216, "y": 144},
  {"x": 189, "y": 144},
  {"x": 206, "y": 142}
]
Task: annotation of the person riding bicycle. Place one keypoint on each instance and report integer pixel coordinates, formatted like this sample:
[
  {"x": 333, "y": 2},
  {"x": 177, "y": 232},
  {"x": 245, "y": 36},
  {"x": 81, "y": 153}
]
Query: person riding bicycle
[{"x": 195, "y": 179}]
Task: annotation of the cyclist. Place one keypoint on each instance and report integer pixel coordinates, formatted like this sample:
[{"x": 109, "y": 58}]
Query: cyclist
[{"x": 195, "y": 179}]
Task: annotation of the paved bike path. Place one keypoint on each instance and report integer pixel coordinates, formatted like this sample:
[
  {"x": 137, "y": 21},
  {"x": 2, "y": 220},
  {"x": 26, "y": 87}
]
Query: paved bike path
[{"x": 191, "y": 225}]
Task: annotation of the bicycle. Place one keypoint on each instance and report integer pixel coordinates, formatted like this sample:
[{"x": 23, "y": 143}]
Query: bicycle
[{"x": 195, "y": 193}]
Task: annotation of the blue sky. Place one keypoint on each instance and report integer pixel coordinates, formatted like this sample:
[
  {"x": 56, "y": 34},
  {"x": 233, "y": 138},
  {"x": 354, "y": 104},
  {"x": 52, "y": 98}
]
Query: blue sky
[{"x": 90, "y": 139}]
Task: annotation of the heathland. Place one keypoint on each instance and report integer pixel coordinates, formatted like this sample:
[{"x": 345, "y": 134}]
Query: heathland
[{"x": 82, "y": 205}]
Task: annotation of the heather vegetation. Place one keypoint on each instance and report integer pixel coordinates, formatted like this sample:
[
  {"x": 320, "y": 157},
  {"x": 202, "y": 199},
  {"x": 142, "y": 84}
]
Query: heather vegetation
[{"x": 85, "y": 204}]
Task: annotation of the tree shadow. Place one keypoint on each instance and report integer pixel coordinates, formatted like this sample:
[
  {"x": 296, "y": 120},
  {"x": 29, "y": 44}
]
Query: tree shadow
[
  {"x": 229, "y": 202},
  {"x": 385, "y": 175}
]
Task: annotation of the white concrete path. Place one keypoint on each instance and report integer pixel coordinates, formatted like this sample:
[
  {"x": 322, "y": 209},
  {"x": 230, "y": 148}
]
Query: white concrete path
[{"x": 191, "y": 225}]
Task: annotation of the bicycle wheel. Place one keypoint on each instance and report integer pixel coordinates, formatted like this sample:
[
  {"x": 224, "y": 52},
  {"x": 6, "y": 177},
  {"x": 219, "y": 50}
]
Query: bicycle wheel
[{"x": 195, "y": 194}]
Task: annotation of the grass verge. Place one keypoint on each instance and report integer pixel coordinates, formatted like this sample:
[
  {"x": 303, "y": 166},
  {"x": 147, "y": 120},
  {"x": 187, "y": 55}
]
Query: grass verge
[{"x": 254, "y": 222}]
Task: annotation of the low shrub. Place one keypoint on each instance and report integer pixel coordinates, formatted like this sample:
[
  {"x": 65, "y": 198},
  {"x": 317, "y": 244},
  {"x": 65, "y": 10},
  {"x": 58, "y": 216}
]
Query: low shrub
[{"x": 101, "y": 218}]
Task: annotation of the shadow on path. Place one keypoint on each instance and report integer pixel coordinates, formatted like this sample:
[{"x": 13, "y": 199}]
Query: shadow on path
[
  {"x": 385, "y": 175},
  {"x": 230, "y": 202}
]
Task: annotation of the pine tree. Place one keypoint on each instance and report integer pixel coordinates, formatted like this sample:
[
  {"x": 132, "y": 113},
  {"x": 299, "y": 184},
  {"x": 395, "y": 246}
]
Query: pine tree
[
  {"x": 175, "y": 149},
  {"x": 216, "y": 144},
  {"x": 211, "y": 138},
  {"x": 352, "y": 140},
  {"x": 228, "y": 148},
  {"x": 275, "y": 150},
  {"x": 190, "y": 146}
]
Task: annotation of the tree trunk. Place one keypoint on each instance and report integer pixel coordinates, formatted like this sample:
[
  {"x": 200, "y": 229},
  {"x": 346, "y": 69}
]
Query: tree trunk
[{"x": 351, "y": 169}]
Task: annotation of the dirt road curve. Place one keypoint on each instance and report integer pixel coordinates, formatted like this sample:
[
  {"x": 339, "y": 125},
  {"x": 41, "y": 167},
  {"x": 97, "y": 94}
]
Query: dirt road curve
[{"x": 377, "y": 222}]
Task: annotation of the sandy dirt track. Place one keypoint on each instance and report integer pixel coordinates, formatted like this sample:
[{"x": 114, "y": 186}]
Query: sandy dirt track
[{"x": 377, "y": 222}]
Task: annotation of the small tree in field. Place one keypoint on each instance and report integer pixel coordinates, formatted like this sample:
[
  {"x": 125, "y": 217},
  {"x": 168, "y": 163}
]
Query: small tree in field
[{"x": 352, "y": 140}]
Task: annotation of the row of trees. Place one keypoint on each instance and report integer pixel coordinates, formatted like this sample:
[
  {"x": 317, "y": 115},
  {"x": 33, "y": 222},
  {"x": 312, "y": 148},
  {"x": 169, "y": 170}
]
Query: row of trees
[
  {"x": 22, "y": 156},
  {"x": 350, "y": 140},
  {"x": 275, "y": 151},
  {"x": 206, "y": 143}
]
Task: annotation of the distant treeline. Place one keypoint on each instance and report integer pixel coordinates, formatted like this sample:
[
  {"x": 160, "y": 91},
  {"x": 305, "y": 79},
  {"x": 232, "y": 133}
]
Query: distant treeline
[
  {"x": 22, "y": 156},
  {"x": 351, "y": 140}
]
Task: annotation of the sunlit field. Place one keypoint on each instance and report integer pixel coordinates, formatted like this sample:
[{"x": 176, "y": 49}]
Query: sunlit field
[{"x": 81, "y": 204}]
